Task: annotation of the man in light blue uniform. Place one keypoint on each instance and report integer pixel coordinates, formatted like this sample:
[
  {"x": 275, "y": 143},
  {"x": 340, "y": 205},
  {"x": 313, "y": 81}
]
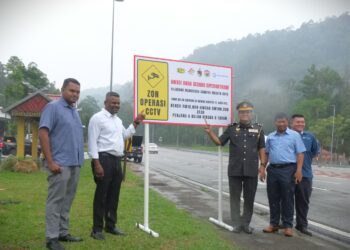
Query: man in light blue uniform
[
  {"x": 284, "y": 149},
  {"x": 304, "y": 188},
  {"x": 61, "y": 137}
]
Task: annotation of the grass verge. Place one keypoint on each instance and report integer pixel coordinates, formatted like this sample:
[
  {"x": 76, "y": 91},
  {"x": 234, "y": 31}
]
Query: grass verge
[{"x": 22, "y": 217}]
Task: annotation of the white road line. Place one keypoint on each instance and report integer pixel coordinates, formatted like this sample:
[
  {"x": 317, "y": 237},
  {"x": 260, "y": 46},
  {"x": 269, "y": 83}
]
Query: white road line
[
  {"x": 330, "y": 182},
  {"x": 323, "y": 189}
]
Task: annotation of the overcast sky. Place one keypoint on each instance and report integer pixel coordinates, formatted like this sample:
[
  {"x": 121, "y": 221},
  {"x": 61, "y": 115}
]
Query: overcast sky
[{"x": 72, "y": 38}]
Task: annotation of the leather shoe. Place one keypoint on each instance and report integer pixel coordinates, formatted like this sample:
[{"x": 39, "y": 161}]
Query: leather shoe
[
  {"x": 115, "y": 231},
  {"x": 237, "y": 229},
  {"x": 247, "y": 229},
  {"x": 288, "y": 232},
  {"x": 54, "y": 244},
  {"x": 270, "y": 229},
  {"x": 303, "y": 230},
  {"x": 69, "y": 238},
  {"x": 97, "y": 235}
]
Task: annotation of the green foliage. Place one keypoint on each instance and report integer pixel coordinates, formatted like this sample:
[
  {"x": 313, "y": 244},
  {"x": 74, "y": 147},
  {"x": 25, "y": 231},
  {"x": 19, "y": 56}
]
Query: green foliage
[
  {"x": 88, "y": 106},
  {"x": 8, "y": 164},
  {"x": 17, "y": 80},
  {"x": 323, "y": 129},
  {"x": 312, "y": 109},
  {"x": 324, "y": 83}
]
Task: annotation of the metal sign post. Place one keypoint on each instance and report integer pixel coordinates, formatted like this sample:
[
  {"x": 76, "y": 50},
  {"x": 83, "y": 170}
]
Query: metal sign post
[
  {"x": 219, "y": 221},
  {"x": 145, "y": 227}
]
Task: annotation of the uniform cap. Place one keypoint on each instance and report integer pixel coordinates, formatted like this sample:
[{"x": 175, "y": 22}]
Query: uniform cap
[{"x": 245, "y": 106}]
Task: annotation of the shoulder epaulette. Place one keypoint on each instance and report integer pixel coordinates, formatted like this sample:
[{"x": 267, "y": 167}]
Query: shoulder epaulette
[
  {"x": 233, "y": 124},
  {"x": 258, "y": 124}
]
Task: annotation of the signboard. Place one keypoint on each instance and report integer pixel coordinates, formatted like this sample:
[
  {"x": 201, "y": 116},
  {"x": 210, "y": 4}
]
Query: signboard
[{"x": 183, "y": 93}]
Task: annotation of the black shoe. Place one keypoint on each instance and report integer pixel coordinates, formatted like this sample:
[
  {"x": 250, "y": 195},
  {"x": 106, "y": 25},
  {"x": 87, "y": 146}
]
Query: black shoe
[
  {"x": 237, "y": 229},
  {"x": 97, "y": 235},
  {"x": 115, "y": 231},
  {"x": 247, "y": 229},
  {"x": 303, "y": 230},
  {"x": 69, "y": 238},
  {"x": 53, "y": 244}
]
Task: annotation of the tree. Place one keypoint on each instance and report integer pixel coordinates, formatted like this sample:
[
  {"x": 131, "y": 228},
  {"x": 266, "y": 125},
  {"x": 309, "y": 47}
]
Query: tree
[
  {"x": 17, "y": 74},
  {"x": 87, "y": 107},
  {"x": 323, "y": 131},
  {"x": 324, "y": 83}
]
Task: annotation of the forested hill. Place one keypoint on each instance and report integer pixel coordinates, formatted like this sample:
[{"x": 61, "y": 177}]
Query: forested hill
[{"x": 262, "y": 60}]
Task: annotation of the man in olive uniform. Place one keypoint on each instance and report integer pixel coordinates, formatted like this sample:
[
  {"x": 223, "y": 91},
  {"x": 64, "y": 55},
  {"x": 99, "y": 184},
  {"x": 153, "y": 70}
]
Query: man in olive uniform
[{"x": 247, "y": 144}]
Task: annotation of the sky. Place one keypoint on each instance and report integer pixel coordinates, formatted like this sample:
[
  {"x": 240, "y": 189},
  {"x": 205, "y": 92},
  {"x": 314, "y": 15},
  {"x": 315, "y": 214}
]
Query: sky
[{"x": 72, "y": 38}]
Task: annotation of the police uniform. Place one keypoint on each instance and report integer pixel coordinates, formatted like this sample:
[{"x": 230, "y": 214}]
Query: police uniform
[{"x": 245, "y": 142}]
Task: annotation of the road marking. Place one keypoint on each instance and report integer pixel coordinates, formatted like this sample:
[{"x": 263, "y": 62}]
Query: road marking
[
  {"x": 323, "y": 189},
  {"x": 330, "y": 182},
  {"x": 256, "y": 204}
]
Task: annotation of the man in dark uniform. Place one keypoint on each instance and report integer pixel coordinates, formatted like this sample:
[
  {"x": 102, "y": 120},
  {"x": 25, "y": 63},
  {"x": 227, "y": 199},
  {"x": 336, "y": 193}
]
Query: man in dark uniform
[{"x": 247, "y": 144}]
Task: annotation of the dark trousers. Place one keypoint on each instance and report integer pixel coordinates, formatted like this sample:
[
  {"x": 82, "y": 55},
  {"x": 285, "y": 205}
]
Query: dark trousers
[
  {"x": 280, "y": 192},
  {"x": 249, "y": 185},
  {"x": 107, "y": 192},
  {"x": 302, "y": 199}
]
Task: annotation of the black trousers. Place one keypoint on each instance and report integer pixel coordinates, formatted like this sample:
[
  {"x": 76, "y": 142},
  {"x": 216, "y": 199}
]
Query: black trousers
[
  {"x": 302, "y": 199},
  {"x": 107, "y": 192},
  {"x": 280, "y": 192},
  {"x": 249, "y": 185}
]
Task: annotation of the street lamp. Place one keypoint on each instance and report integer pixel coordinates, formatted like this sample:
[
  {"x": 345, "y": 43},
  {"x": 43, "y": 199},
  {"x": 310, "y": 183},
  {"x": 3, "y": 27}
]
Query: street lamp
[
  {"x": 111, "y": 83},
  {"x": 333, "y": 105}
]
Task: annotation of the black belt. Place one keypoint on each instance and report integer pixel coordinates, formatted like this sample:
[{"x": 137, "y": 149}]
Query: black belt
[
  {"x": 282, "y": 165},
  {"x": 105, "y": 154}
]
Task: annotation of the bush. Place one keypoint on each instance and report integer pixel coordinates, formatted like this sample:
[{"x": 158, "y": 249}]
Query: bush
[{"x": 9, "y": 163}]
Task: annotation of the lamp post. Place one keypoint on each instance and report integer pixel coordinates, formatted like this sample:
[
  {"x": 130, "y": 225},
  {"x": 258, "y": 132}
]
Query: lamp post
[
  {"x": 111, "y": 80},
  {"x": 333, "y": 105}
]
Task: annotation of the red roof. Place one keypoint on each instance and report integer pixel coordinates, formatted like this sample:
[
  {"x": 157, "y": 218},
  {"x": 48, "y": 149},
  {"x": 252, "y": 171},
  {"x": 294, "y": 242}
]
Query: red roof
[{"x": 32, "y": 105}]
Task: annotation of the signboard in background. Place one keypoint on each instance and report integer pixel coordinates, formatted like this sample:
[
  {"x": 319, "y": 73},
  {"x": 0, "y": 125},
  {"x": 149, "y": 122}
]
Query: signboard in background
[{"x": 182, "y": 93}]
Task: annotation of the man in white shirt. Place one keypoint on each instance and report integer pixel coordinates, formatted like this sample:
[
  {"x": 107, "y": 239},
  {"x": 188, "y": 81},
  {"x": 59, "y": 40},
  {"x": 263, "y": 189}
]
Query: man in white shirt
[{"x": 106, "y": 147}]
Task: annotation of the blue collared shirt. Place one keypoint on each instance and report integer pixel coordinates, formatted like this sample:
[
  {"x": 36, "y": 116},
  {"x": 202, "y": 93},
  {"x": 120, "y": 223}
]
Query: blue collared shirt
[
  {"x": 65, "y": 133},
  {"x": 284, "y": 147},
  {"x": 312, "y": 150}
]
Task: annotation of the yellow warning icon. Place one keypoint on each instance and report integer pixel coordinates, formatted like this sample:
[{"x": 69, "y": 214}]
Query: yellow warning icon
[
  {"x": 153, "y": 76},
  {"x": 152, "y": 91}
]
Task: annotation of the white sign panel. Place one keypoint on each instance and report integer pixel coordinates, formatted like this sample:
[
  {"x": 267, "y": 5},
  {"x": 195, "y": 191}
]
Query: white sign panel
[{"x": 181, "y": 92}]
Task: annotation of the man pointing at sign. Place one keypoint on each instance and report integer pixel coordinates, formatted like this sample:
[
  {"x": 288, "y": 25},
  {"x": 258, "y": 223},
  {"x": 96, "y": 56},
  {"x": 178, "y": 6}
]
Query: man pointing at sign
[{"x": 247, "y": 144}]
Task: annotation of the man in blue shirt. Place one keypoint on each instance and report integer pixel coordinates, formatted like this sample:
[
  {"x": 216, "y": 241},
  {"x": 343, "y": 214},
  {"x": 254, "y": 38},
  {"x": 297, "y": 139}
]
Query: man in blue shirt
[
  {"x": 284, "y": 149},
  {"x": 304, "y": 188},
  {"x": 61, "y": 137}
]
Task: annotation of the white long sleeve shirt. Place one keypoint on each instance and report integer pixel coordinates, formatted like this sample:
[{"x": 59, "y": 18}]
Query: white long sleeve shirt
[{"x": 106, "y": 133}]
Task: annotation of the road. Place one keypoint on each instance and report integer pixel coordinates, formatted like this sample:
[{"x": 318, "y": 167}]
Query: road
[{"x": 330, "y": 201}]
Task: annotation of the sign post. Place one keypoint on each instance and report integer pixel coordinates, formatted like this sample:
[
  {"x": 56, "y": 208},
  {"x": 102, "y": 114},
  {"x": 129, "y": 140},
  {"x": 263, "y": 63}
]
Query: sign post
[
  {"x": 180, "y": 93},
  {"x": 145, "y": 226},
  {"x": 219, "y": 221}
]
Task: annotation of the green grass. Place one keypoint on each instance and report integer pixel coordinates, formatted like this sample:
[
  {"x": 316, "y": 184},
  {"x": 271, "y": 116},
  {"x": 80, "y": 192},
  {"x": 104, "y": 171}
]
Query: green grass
[{"x": 22, "y": 217}]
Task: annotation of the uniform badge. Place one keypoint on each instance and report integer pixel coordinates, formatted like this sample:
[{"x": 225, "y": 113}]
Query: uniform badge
[{"x": 253, "y": 130}]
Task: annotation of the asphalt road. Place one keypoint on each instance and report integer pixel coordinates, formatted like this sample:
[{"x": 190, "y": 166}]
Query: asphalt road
[{"x": 330, "y": 201}]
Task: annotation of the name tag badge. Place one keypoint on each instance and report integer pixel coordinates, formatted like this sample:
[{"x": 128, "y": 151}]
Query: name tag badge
[{"x": 253, "y": 130}]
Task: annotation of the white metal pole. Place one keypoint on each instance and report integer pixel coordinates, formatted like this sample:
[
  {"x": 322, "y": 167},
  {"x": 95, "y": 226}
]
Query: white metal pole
[
  {"x": 145, "y": 226},
  {"x": 220, "y": 179},
  {"x": 146, "y": 188},
  {"x": 219, "y": 221}
]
